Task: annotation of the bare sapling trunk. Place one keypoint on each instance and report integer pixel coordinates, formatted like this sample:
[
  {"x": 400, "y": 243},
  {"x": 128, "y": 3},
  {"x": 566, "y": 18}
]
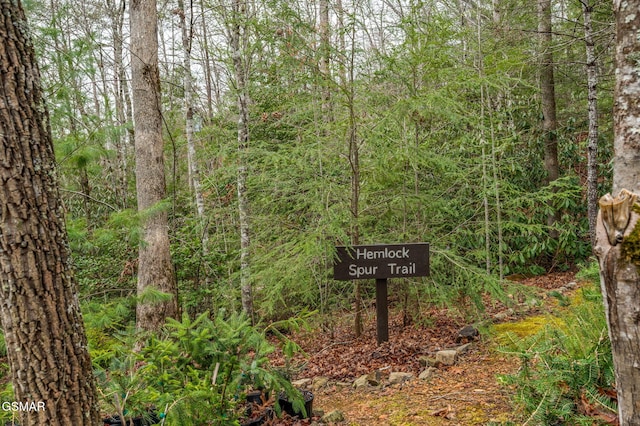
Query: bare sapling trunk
[
  {"x": 186, "y": 26},
  {"x": 238, "y": 46}
]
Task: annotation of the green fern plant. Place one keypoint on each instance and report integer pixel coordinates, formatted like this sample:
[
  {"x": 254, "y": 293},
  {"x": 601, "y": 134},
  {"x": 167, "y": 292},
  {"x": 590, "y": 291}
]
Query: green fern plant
[{"x": 565, "y": 366}]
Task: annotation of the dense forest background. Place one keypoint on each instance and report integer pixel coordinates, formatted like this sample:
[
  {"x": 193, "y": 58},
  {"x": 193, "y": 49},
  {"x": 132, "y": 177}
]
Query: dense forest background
[
  {"x": 368, "y": 122},
  {"x": 289, "y": 128}
]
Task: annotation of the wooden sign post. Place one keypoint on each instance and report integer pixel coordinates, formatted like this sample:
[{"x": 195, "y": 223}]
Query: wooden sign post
[{"x": 381, "y": 262}]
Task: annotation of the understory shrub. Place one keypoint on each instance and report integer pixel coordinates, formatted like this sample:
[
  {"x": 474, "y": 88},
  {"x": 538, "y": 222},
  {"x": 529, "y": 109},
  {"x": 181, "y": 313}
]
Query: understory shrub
[
  {"x": 567, "y": 372},
  {"x": 196, "y": 372}
]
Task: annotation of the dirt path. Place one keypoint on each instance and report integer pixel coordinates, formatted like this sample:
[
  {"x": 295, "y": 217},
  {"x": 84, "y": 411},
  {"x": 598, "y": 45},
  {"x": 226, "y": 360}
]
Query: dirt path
[
  {"x": 468, "y": 393},
  {"x": 465, "y": 394}
]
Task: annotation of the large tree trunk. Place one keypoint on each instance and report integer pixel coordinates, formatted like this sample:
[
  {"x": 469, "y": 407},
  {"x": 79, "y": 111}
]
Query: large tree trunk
[
  {"x": 618, "y": 230},
  {"x": 39, "y": 309},
  {"x": 618, "y": 251},
  {"x": 155, "y": 269},
  {"x": 626, "y": 117},
  {"x": 548, "y": 95}
]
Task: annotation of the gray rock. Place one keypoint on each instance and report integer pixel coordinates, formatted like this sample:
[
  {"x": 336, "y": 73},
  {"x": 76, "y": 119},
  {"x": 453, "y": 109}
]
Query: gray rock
[
  {"x": 427, "y": 373},
  {"x": 399, "y": 377},
  {"x": 334, "y": 416},
  {"x": 302, "y": 383},
  {"x": 361, "y": 382},
  {"x": 319, "y": 383},
  {"x": 374, "y": 378},
  {"x": 464, "y": 348},
  {"x": 426, "y": 361},
  {"x": 500, "y": 316},
  {"x": 371, "y": 379},
  {"x": 447, "y": 357}
]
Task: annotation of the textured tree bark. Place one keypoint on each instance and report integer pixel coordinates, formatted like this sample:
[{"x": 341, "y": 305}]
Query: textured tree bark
[
  {"x": 238, "y": 42},
  {"x": 194, "y": 172},
  {"x": 123, "y": 143},
  {"x": 626, "y": 111},
  {"x": 618, "y": 251},
  {"x": 155, "y": 268},
  {"x": 324, "y": 63},
  {"x": 618, "y": 230},
  {"x": 206, "y": 63},
  {"x": 592, "y": 147},
  {"x": 354, "y": 163},
  {"x": 548, "y": 95},
  {"x": 39, "y": 309}
]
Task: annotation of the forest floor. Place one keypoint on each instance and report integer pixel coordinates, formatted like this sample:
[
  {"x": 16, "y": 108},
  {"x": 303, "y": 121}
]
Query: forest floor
[{"x": 467, "y": 393}]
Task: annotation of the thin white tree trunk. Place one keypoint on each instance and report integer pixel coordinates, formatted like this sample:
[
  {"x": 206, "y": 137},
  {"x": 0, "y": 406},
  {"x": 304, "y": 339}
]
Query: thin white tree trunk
[
  {"x": 592, "y": 147},
  {"x": 194, "y": 172},
  {"x": 238, "y": 48}
]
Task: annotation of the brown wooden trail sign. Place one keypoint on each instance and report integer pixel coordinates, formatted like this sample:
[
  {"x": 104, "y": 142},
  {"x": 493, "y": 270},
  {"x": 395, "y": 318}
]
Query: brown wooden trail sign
[{"x": 381, "y": 262}]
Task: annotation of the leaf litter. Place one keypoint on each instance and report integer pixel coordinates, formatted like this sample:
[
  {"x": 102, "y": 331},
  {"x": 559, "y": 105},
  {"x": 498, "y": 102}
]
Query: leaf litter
[{"x": 467, "y": 393}]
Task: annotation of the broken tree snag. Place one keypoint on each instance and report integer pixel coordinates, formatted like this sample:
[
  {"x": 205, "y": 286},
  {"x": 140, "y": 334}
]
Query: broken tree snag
[
  {"x": 616, "y": 213},
  {"x": 618, "y": 250}
]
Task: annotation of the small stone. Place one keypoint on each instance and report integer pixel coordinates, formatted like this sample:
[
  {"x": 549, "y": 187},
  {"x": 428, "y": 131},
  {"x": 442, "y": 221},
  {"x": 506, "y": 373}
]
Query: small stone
[
  {"x": 399, "y": 377},
  {"x": 532, "y": 303},
  {"x": 447, "y": 357},
  {"x": 361, "y": 382},
  {"x": 423, "y": 361},
  {"x": 374, "y": 378},
  {"x": 501, "y": 316},
  {"x": 426, "y": 361},
  {"x": 464, "y": 348},
  {"x": 319, "y": 383},
  {"x": 571, "y": 285},
  {"x": 467, "y": 333},
  {"x": 427, "y": 373},
  {"x": 302, "y": 383},
  {"x": 334, "y": 416}
]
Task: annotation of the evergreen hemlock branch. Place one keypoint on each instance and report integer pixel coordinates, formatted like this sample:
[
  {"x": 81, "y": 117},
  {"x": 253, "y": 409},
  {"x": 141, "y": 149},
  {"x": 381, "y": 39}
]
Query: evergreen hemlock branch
[{"x": 196, "y": 371}]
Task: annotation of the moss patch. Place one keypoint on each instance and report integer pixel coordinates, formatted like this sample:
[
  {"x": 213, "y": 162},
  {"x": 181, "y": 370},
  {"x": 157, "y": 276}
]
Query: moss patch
[
  {"x": 630, "y": 248},
  {"x": 523, "y": 328}
]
